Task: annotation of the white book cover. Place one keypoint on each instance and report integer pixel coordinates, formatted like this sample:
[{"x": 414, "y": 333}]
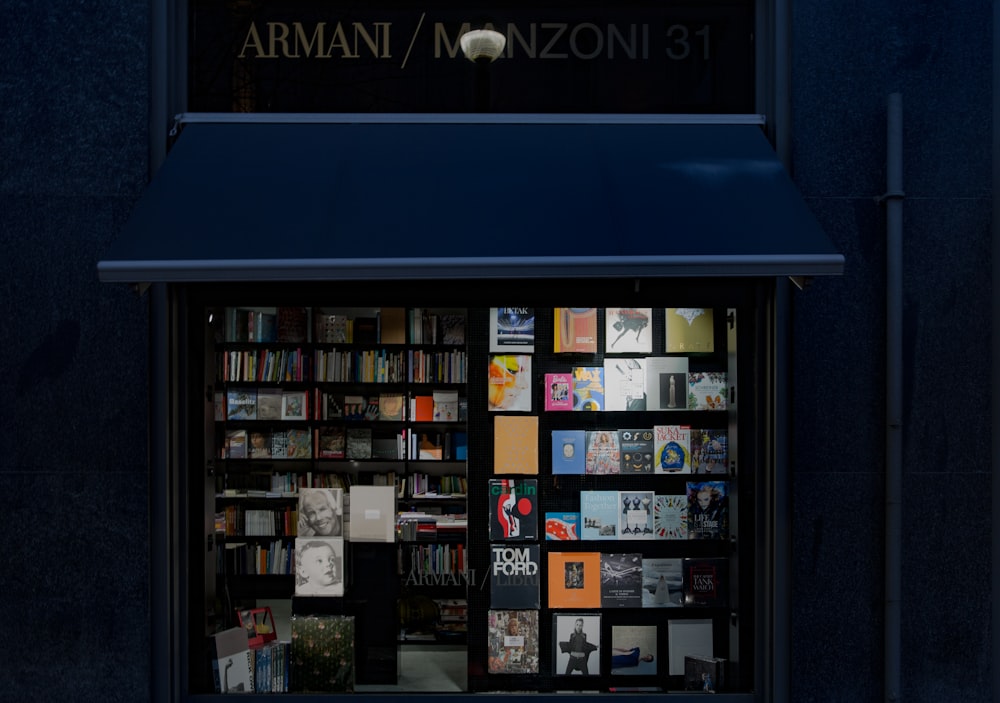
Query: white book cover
[
  {"x": 512, "y": 330},
  {"x": 628, "y": 331},
  {"x": 319, "y": 566},
  {"x": 670, "y": 516},
  {"x": 662, "y": 582},
  {"x": 624, "y": 384},
  {"x": 666, "y": 382},
  {"x": 688, "y": 638},
  {"x": 373, "y": 513}
]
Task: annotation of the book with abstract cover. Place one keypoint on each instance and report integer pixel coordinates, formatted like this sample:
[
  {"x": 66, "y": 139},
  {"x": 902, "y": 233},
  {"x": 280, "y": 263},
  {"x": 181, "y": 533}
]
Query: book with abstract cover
[
  {"x": 241, "y": 404},
  {"x": 621, "y": 580},
  {"x": 562, "y": 527},
  {"x": 624, "y": 384},
  {"x": 513, "y": 509},
  {"x": 574, "y": 579},
  {"x": 689, "y": 331},
  {"x": 322, "y": 654},
  {"x": 662, "y": 582},
  {"x": 635, "y": 515},
  {"x": 710, "y": 451},
  {"x": 670, "y": 516},
  {"x": 575, "y": 330},
  {"x": 588, "y": 388},
  {"x": 671, "y": 449},
  {"x": 599, "y": 512},
  {"x": 569, "y": 452},
  {"x": 512, "y": 329},
  {"x": 603, "y": 452},
  {"x": 707, "y": 390},
  {"x": 628, "y": 330},
  {"x": 708, "y": 509},
  {"x": 509, "y": 383},
  {"x": 636, "y": 450},
  {"x": 512, "y": 641},
  {"x": 269, "y": 403},
  {"x": 299, "y": 444},
  {"x": 706, "y": 581},
  {"x": 515, "y": 576},
  {"x": 558, "y": 391},
  {"x": 666, "y": 382},
  {"x": 331, "y": 442},
  {"x": 359, "y": 443}
]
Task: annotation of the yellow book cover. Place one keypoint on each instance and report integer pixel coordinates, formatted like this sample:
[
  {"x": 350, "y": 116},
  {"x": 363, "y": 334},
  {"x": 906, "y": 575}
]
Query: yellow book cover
[
  {"x": 690, "y": 331},
  {"x": 515, "y": 444}
]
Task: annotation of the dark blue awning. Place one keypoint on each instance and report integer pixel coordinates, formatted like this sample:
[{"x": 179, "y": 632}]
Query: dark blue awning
[{"x": 435, "y": 200}]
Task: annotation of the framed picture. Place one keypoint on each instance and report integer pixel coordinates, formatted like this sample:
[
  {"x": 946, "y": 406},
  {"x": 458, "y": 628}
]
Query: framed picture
[{"x": 294, "y": 405}]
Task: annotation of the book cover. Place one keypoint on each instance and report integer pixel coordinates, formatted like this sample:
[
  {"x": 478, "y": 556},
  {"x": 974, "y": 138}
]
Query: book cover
[
  {"x": 392, "y": 325},
  {"x": 599, "y": 515},
  {"x": 509, "y": 382},
  {"x": 687, "y": 637},
  {"x": 260, "y": 444},
  {"x": 689, "y": 331},
  {"x": 293, "y": 324},
  {"x": 445, "y": 406},
  {"x": 333, "y": 406},
  {"x": 621, "y": 580},
  {"x": 515, "y": 444},
  {"x": 705, "y": 674},
  {"x": 662, "y": 582},
  {"x": 515, "y": 576},
  {"x": 569, "y": 452},
  {"x": 706, "y": 581},
  {"x": 707, "y": 391},
  {"x": 322, "y": 654},
  {"x": 422, "y": 408},
  {"x": 512, "y": 641},
  {"x": 709, "y": 451},
  {"x": 574, "y": 579},
  {"x": 385, "y": 448},
  {"x": 364, "y": 329},
  {"x": 628, "y": 331},
  {"x": 279, "y": 444},
  {"x": 671, "y": 449},
  {"x": 331, "y": 328},
  {"x": 575, "y": 331},
  {"x": 636, "y": 447},
  {"x": 219, "y": 405},
  {"x": 430, "y": 446},
  {"x": 635, "y": 518},
  {"x": 299, "y": 444},
  {"x": 354, "y": 407},
  {"x": 373, "y": 514},
  {"x": 452, "y": 329},
  {"x": 666, "y": 382},
  {"x": 634, "y": 650},
  {"x": 670, "y": 516},
  {"x": 294, "y": 405},
  {"x": 564, "y": 527},
  {"x": 603, "y": 452},
  {"x": 232, "y": 660},
  {"x": 241, "y": 404},
  {"x": 319, "y": 566},
  {"x": 624, "y": 384},
  {"x": 512, "y": 329},
  {"x": 236, "y": 444},
  {"x": 708, "y": 509},
  {"x": 588, "y": 388},
  {"x": 460, "y": 442},
  {"x": 359, "y": 443},
  {"x": 513, "y": 509},
  {"x": 390, "y": 407},
  {"x": 269, "y": 403},
  {"x": 576, "y": 639},
  {"x": 320, "y": 512},
  {"x": 558, "y": 391}
]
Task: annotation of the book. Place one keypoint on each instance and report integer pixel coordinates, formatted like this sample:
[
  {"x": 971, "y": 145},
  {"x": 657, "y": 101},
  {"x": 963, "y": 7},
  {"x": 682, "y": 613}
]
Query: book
[
  {"x": 322, "y": 654},
  {"x": 635, "y": 517},
  {"x": 574, "y": 579},
  {"x": 422, "y": 408},
  {"x": 390, "y": 407},
  {"x": 452, "y": 329},
  {"x": 373, "y": 513},
  {"x": 332, "y": 406},
  {"x": 707, "y": 390},
  {"x": 512, "y": 329},
  {"x": 636, "y": 446},
  {"x": 260, "y": 444},
  {"x": 359, "y": 443},
  {"x": 576, "y": 637},
  {"x": 515, "y": 576},
  {"x": 588, "y": 388},
  {"x": 320, "y": 512},
  {"x": 574, "y": 331},
  {"x": 670, "y": 517},
  {"x": 219, "y": 405},
  {"x": 364, "y": 329},
  {"x": 709, "y": 451},
  {"x": 354, "y": 407},
  {"x": 671, "y": 449},
  {"x": 269, "y": 403},
  {"x": 705, "y": 674},
  {"x": 236, "y": 444},
  {"x": 232, "y": 668},
  {"x": 687, "y": 637},
  {"x": 241, "y": 404},
  {"x": 299, "y": 444},
  {"x": 558, "y": 391},
  {"x": 512, "y": 641},
  {"x": 445, "y": 406},
  {"x": 513, "y": 509},
  {"x": 621, "y": 580},
  {"x": 569, "y": 452},
  {"x": 460, "y": 445},
  {"x": 634, "y": 650},
  {"x": 332, "y": 443},
  {"x": 386, "y": 448},
  {"x": 603, "y": 452},
  {"x": 628, "y": 331},
  {"x": 515, "y": 444},
  {"x": 294, "y": 405},
  {"x": 332, "y": 328},
  {"x": 666, "y": 382},
  {"x": 624, "y": 384},
  {"x": 430, "y": 446},
  {"x": 563, "y": 527},
  {"x": 392, "y": 325},
  {"x": 509, "y": 382},
  {"x": 662, "y": 582},
  {"x": 319, "y": 566},
  {"x": 689, "y": 331},
  {"x": 293, "y": 324},
  {"x": 279, "y": 444},
  {"x": 706, "y": 581},
  {"x": 599, "y": 514},
  {"x": 708, "y": 509}
]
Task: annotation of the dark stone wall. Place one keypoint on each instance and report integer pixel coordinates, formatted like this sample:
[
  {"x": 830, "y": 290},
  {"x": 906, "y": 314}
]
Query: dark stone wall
[{"x": 74, "y": 98}]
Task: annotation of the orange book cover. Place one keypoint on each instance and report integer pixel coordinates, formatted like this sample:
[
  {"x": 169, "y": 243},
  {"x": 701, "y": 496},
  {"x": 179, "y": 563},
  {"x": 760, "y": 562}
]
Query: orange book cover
[
  {"x": 575, "y": 330},
  {"x": 515, "y": 444},
  {"x": 574, "y": 579},
  {"x": 423, "y": 408}
]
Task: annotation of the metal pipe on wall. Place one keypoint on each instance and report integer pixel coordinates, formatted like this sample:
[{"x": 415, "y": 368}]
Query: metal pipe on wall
[{"x": 894, "y": 394}]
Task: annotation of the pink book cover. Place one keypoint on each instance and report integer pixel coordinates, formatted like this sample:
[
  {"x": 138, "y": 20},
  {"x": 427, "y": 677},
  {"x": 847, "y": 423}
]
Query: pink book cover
[{"x": 558, "y": 391}]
